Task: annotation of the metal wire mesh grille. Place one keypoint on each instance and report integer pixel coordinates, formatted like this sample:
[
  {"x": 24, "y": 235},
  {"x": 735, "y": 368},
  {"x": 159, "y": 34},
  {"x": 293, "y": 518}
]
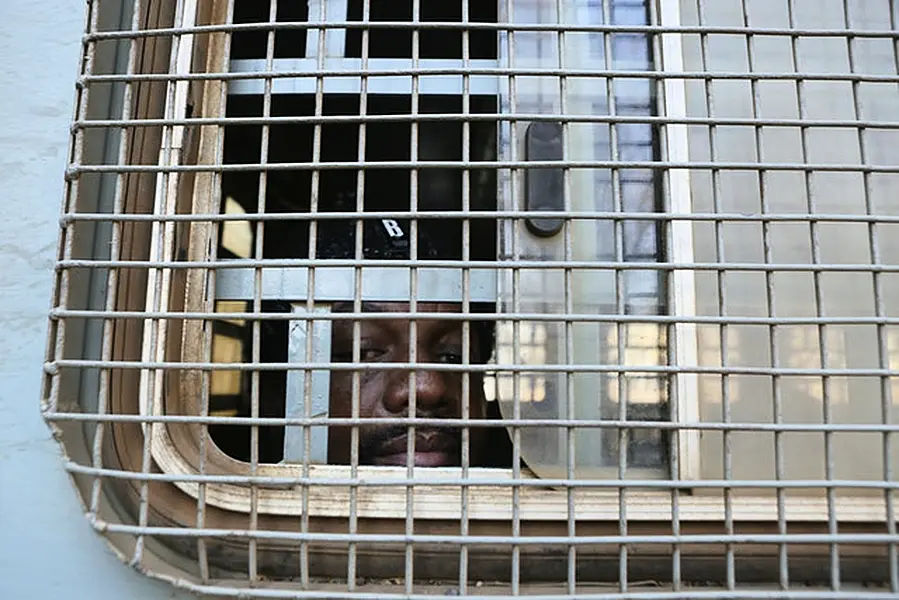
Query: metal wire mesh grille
[{"x": 586, "y": 298}]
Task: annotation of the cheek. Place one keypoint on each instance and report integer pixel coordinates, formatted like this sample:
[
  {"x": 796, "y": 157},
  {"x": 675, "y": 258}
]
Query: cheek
[
  {"x": 475, "y": 397},
  {"x": 340, "y": 397},
  {"x": 341, "y": 406},
  {"x": 372, "y": 386}
]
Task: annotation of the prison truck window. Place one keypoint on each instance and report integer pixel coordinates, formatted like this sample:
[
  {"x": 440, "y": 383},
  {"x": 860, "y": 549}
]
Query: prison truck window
[{"x": 391, "y": 297}]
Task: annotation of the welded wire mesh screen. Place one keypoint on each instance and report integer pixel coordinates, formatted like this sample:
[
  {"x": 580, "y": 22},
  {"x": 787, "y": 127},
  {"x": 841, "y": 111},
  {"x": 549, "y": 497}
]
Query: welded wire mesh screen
[{"x": 587, "y": 298}]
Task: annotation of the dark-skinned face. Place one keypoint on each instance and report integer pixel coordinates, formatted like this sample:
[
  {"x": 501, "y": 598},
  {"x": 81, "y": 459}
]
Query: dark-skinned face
[{"x": 387, "y": 393}]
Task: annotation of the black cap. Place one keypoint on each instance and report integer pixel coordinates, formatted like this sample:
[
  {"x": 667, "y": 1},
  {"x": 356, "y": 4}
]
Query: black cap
[{"x": 389, "y": 239}]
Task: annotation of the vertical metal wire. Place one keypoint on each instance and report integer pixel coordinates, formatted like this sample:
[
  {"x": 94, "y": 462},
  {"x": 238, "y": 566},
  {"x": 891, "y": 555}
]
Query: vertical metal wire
[
  {"x": 215, "y": 195},
  {"x": 723, "y": 329},
  {"x": 209, "y": 305},
  {"x": 771, "y": 306},
  {"x": 314, "y": 199},
  {"x": 515, "y": 180},
  {"x": 886, "y": 389},
  {"x": 620, "y": 305},
  {"x": 112, "y": 278},
  {"x": 414, "y": 132},
  {"x": 215, "y": 202},
  {"x": 675, "y": 438},
  {"x": 883, "y": 358},
  {"x": 818, "y": 301},
  {"x": 65, "y": 237},
  {"x": 321, "y": 36},
  {"x": 357, "y": 300},
  {"x": 258, "y": 253},
  {"x": 204, "y": 437},
  {"x": 159, "y": 279},
  {"x": 570, "y": 467},
  {"x": 466, "y": 300}
]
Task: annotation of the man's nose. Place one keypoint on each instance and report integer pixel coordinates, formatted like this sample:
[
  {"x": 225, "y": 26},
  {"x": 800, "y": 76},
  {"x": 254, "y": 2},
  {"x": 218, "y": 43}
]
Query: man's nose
[{"x": 431, "y": 393}]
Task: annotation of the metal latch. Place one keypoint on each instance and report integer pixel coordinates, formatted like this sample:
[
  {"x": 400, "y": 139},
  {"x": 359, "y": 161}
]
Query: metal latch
[{"x": 544, "y": 185}]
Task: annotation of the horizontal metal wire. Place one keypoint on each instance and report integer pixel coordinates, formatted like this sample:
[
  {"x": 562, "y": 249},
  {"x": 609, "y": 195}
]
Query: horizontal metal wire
[
  {"x": 499, "y": 265},
  {"x": 848, "y": 32},
  {"x": 75, "y": 169},
  {"x": 691, "y": 594},
  {"x": 506, "y": 117},
  {"x": 872, "y": 428},
  {"x": 425, "y": 71},
  {"x": 596, "y": 317},
  {"x": 53, "y": 367},
  {"x": 483, "y": 540},
  {"x": 573, "y": 215},
  {"x": 455, "y": 482}
]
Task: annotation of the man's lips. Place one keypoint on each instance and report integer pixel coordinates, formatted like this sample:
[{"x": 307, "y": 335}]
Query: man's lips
[{"x": 433, "y": 448}]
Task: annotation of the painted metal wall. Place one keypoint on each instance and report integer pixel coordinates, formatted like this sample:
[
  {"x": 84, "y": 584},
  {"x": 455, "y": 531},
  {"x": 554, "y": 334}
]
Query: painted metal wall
[{"x": 47, "y": 549}]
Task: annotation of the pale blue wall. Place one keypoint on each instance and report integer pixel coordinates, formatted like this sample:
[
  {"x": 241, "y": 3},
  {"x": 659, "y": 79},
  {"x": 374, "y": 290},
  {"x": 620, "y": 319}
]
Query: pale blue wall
[{"x": 47, "y": 549}]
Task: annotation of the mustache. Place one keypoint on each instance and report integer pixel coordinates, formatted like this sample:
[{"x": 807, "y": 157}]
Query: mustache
[{"x": 368, "y": 446}]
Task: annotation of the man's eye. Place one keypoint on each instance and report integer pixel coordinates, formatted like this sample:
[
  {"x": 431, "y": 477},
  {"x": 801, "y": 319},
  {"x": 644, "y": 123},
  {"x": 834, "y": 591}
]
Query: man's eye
[
  {"x": 365, "y": 355},
  {"x": 453, "y": 358},
  {"x": 370, "y": 354}
]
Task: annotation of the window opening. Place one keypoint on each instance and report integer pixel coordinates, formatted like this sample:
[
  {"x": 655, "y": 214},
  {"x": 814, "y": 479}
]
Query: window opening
[
  {"x": 609, "y": 190},
  {"x": 433, "y": 43},
  {"x": 291, "y": 191},
  {"x": 289, "y": 43}
]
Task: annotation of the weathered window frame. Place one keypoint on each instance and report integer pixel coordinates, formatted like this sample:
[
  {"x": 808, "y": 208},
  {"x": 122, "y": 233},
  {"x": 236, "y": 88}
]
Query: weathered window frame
[{"x": 176, "y": 446}]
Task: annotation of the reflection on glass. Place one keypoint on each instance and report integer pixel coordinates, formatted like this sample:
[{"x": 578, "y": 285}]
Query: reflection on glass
[{"x": 594, "y": 292}]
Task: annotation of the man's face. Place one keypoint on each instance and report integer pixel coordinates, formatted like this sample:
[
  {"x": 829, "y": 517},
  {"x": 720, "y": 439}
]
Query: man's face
[{"x": 387, "y": 393}]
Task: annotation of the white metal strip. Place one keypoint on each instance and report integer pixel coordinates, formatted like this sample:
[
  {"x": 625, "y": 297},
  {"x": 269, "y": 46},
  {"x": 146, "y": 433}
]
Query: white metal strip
[
  {"x": 379, "y": 284},
  {"x": 375, "y": 84},
  {"x": 295, "y": 402},
  {"x": 335, "y": 38},
  {"x": 687, "y": 384}
]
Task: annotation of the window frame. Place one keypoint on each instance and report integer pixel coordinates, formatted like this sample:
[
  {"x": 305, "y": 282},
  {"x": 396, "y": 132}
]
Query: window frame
[
  {"x": 174, "y": 444},
  {"x": 176, "y": 448}
]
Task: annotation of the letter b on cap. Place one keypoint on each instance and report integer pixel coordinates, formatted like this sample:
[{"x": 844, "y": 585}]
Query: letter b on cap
[{"x": 393, "y": 228}]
